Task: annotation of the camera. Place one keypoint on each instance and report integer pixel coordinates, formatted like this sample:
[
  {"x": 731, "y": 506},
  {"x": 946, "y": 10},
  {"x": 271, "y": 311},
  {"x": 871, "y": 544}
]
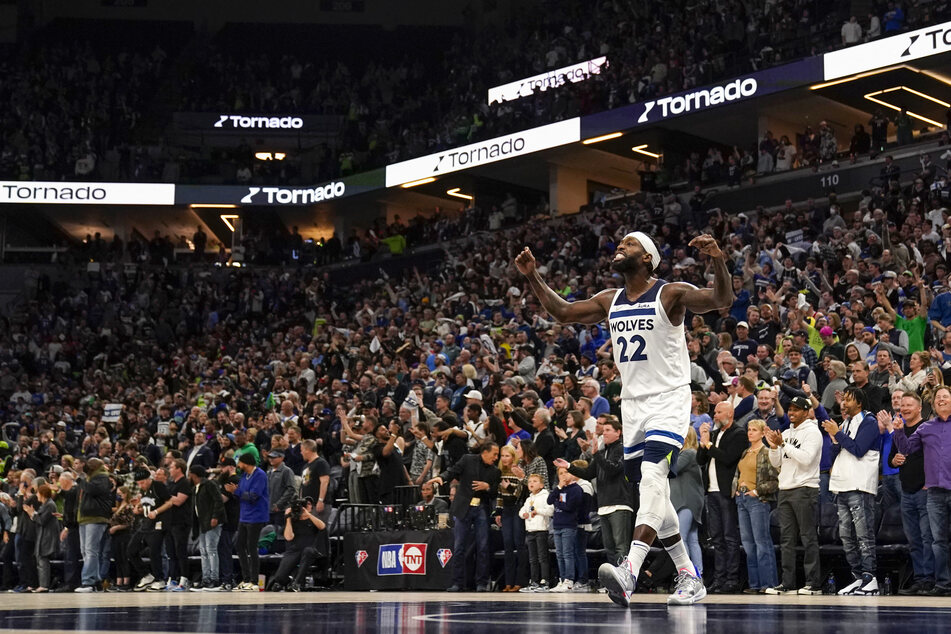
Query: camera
[{"x": 298, "y": 506}]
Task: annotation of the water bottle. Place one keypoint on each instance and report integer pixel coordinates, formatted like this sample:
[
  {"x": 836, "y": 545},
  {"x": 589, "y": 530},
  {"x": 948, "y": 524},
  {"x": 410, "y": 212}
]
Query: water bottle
[
  {"x": 830, "y": 584},
  {"x": 887, "y": 588}
]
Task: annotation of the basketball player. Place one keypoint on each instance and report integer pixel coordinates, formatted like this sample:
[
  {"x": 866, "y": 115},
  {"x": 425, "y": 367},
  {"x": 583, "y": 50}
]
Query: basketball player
[{"x": 646, "y": 320}]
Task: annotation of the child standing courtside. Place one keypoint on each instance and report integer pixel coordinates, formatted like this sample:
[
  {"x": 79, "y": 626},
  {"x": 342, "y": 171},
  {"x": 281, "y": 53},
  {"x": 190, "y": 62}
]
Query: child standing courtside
[
  {"x": 537, "y": 514},
  {"x": 567, "y": 498}
]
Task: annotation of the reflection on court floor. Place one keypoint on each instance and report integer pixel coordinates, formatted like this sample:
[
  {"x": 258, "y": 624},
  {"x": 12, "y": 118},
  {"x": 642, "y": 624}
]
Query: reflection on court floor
[{"x": 331, "y": 612}]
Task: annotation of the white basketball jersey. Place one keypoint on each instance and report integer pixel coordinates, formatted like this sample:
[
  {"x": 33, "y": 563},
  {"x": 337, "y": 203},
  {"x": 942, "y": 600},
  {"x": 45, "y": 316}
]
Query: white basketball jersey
[{"x": 650, "y": 353}]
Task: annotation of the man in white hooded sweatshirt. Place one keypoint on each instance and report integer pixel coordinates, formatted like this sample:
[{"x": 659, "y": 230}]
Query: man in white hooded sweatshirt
[{"x": 796, "y": 452}]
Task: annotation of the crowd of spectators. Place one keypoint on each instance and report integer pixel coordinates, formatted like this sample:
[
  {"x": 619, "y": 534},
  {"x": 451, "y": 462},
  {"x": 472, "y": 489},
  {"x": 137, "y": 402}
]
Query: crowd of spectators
[
  {"x": 67, "y": 105},
  {"x": 810, "y": 148},
  {"x": 404, "y": 109},
  {"x": 77, "y": 115},
  {"x": 128, "y": 376}
]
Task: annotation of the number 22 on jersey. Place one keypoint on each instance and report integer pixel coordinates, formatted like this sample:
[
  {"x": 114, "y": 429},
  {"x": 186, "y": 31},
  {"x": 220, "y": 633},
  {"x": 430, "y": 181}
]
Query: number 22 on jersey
[{"x": 632, "y": 348}]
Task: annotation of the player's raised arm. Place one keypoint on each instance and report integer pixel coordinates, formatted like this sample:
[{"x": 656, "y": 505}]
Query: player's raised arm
[
  {"x": 703, "y": 300},
  {"x": 585, "y": 311}
]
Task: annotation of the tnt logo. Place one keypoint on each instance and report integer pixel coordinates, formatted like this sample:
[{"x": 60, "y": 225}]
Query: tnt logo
[
  {"x": 402, "y": 559},
  {"x": 361, "y": 556},
  {"x": 443, "y": 555}
]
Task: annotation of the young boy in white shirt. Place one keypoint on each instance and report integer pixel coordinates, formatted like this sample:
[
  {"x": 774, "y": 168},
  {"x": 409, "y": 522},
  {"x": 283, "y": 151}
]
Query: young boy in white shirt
[{"x": 537, "y": 513}]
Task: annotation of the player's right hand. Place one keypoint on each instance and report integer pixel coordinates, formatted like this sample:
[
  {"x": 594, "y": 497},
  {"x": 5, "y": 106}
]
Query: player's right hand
[{"x": 525, "y": 262}]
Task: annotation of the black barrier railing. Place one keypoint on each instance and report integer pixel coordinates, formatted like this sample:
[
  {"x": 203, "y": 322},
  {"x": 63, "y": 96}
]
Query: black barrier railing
[{"x": 368, "y": 518}]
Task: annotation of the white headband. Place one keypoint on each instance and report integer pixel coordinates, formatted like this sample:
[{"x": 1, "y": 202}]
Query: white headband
[{"x": 648, "y": 245}]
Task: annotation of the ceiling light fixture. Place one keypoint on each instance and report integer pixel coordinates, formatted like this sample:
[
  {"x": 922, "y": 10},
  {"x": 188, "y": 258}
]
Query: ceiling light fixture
[
  {"x": 455, "y": 192},
  {"x": 872, "y": 96},
  {"x": 640, "y": 150},
  {"x": 421, "y": 181},
  {"x": 227, "y": 218},
  {"x": 605, "y": 137}
]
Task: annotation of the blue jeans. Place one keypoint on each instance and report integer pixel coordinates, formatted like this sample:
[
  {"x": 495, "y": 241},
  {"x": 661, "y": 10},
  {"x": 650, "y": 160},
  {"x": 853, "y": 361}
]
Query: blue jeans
[
  {"x": 513, "y": 538},
  {"x": 474, "y": 524},
  {"x": 939, "y": 505},
  {"x": 690, "y": 533},
  {"x": 889, "y": 490},
  {"x": 914, "y": 519},
  {"x": 90, "y": 542},
  {"x": 565, "y": 545},
  {"x": 824, "y": 494},
  {"x": 208, "y": 547},
  {"x": 105, "y": 554},
  {"x": 581, "y": 556},
  {"x": 856, "y": 511},
  {"x": 753, "y": 516}
]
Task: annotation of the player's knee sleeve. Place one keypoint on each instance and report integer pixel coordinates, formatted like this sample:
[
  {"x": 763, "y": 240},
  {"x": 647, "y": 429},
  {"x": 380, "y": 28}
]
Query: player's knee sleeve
[
  {"x": 655, "y": 495},
  {"x": 671, "y": 523}
]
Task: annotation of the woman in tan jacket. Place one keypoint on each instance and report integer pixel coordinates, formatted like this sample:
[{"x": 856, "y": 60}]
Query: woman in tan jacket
[{"x": 755, "y": 486}]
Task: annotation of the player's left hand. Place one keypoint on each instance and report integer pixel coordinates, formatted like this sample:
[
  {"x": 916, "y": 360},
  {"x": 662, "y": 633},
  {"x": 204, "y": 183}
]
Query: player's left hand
[{"x": 707, "y": 245}]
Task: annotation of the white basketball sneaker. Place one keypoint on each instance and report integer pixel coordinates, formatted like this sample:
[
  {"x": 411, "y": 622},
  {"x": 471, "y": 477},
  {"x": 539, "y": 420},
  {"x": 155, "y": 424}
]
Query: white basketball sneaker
[
  {"x": 688, "y": 589},
  {"x": 619, "y": 583}
]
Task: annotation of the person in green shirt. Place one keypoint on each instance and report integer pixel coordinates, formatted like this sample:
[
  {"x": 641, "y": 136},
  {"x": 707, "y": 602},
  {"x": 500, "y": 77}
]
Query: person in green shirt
[
  {"x": 245, "y": 446},
  {"x": 915, "y": 319}
]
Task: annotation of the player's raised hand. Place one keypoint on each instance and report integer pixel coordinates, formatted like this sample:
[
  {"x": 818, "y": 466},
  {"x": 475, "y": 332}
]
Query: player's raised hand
[
  {"x": 525, "y": 262},
  {"x": 707, "y": 245}
]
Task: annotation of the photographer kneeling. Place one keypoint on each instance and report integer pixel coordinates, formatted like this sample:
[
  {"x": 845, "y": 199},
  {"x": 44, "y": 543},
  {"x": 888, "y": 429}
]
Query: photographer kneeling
[{"x": 300, "y": 530}]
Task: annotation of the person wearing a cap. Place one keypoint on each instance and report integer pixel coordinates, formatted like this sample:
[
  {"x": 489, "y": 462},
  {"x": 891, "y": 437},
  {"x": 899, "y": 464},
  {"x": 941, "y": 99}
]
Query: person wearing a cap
[
  {"x": 252, "y": 492},
  {"x": 809, "y": 355},
  {"x": 474, "y": 397},
  {"x": 387, "y": 454},
  {"x": 280, "y": 485},
  {"x": 795, "y": 363},
  {"x": 831, "y": 347},
  {"x": 95, "y": 507},
  {"x": 301, "y": 534},
  {"x": 796, "y": 452},
  {"x": 743, "y": 346},
  {"x": 149, "y": 533},
  {"x": 209, "y": 516}
]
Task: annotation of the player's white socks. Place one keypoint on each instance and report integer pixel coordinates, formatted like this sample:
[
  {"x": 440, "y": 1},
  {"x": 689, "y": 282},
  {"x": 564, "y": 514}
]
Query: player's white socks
[
  {"x": 678, "y": 553},
  {"x": 636, "y": 556}
]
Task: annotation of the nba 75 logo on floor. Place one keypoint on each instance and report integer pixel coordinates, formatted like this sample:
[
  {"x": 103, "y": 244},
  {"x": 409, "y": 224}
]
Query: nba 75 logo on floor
[{"x": 401, "y": 559}]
